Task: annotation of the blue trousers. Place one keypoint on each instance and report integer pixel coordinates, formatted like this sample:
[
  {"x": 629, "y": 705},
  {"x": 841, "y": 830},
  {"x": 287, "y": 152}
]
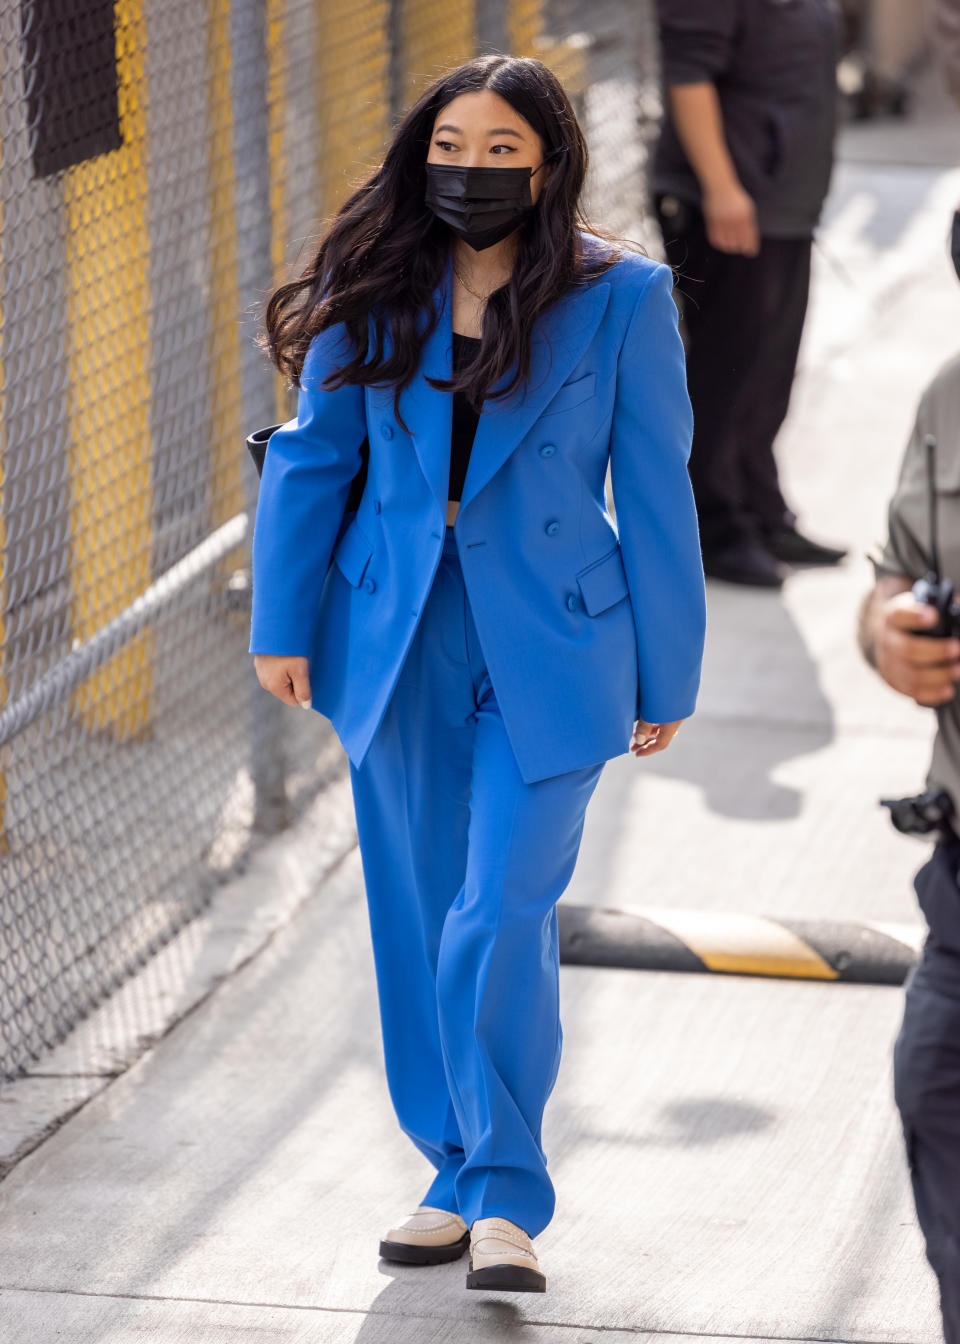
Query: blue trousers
[{"x": 463, "y": 864}]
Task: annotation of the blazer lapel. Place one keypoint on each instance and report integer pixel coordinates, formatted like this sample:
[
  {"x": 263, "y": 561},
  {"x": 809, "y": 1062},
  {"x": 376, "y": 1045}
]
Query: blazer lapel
[
  {"x": 427, "y": 411},
  {"x": 559, "y": 340}
]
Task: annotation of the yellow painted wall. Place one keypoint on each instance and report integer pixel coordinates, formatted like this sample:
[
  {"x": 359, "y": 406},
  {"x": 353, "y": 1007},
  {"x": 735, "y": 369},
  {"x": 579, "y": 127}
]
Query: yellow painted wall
[{"x": 108, "y": 302}]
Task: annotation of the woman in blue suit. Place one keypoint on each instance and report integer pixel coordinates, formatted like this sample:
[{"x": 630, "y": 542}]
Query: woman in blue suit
[{"x": 486, "y": 636}]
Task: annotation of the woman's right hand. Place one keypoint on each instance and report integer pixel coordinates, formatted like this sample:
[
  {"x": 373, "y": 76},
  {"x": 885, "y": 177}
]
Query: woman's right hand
[{"x": 285, "y": 677}]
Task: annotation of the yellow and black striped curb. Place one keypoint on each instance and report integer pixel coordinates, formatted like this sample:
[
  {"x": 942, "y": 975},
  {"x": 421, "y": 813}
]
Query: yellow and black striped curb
[{"x": 871, "y": 953}]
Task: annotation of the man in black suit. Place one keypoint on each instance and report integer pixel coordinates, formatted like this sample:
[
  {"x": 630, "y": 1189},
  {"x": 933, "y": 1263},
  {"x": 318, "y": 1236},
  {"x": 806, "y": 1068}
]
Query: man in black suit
[{"x": 740, "y": 174}]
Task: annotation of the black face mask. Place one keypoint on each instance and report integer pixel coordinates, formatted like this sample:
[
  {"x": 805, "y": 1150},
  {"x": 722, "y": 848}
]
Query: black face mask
[
  {"x": 481, "y": 205},
  {"x": 955, "y": 242}
]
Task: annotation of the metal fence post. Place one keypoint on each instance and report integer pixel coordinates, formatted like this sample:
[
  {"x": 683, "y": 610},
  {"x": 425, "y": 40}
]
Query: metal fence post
[{"x": 248, "y": 40}]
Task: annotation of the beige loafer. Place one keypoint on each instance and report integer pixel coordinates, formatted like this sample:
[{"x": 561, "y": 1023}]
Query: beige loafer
[
  {"x": 502, "y": 1258},
  {"x": 428, "y": 1237}
]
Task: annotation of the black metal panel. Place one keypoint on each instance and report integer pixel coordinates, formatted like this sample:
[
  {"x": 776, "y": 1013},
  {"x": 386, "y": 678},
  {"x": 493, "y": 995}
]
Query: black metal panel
[{"x": 70, "y": 73}]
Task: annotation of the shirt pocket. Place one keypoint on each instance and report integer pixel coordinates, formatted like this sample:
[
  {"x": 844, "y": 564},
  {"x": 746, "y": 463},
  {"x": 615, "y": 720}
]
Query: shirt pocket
[
  {"x": 572, "y": 394},
  {"x": 603, "y": 583}
]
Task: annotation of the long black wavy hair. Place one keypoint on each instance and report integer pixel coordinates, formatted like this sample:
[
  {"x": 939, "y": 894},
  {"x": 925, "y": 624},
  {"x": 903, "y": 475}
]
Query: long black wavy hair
[{"x": 385, "y": 251}]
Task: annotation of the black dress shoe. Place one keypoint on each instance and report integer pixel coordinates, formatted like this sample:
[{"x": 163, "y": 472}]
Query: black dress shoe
[
  {"x": 786, "y": 543},
  {"x": 743, "y": 562}
]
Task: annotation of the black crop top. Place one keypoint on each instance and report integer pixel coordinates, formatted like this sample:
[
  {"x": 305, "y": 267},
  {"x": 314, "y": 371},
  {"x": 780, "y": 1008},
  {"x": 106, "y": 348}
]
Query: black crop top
[{"x": 464, "y": 417}]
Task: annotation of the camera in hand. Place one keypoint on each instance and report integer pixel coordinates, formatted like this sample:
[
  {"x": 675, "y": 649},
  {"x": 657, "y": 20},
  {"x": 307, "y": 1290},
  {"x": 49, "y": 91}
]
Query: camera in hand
[{"x": 933, "y": 811}]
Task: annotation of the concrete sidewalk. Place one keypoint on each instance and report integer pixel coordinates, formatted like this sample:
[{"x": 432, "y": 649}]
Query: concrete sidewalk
[
  {"x": 725, "y": 1150},
  {"x": 717, "y": 1174}
]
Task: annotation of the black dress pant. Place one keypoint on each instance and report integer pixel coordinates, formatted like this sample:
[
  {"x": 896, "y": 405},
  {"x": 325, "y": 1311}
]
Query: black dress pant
[
  {"x": 742, "y": 322},
  {"x": 927, "y": 1077}
]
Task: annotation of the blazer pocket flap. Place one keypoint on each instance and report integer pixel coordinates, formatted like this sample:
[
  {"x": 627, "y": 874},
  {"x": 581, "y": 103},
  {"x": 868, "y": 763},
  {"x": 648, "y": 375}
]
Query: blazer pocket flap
[
  {"x": 352, "y": 555},
  {"x": 569, "y": 395},
  {"x": 603, "y": 583}
]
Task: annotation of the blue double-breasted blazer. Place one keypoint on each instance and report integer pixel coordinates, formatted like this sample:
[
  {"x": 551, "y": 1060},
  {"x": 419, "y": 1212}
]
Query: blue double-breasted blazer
[{"x": 586, "y": 623}]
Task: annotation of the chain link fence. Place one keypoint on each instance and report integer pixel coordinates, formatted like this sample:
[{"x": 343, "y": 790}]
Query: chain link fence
[{"x": 163, "y": 164}]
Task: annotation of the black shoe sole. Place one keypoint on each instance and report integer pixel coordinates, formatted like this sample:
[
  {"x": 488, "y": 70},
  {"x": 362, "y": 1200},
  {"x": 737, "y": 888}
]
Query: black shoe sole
[
  {"x": 810, "y": 561},
  {"x": 749, "y": 580},
  {"x": 507, "y": 1279},
  {"x": 803, "y": 552},
  {"x": 424, "y": 1255}
]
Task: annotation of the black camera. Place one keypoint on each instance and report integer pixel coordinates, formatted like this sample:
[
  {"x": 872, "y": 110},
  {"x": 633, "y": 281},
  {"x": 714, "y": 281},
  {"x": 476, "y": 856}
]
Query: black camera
[{"x": 923, "y": 813}]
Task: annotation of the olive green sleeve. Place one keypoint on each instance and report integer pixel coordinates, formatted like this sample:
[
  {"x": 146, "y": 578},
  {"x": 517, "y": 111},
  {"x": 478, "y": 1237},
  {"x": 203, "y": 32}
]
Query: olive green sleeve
[{"x": 906, "y": 548}]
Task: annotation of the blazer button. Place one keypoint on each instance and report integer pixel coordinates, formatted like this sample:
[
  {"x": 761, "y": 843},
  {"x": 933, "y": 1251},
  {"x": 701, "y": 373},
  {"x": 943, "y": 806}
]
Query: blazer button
[
  {"x": 547, "y": 450},
  {"x": 369, "y": 585},
  {"x": 552, "y": 528},
  {"x": 571, "y": 602},
  {"x": 387, "y": 431}
]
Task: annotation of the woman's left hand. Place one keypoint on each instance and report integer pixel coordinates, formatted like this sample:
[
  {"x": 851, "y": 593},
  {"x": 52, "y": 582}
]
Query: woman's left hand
[{"x": 649, "y": 738}]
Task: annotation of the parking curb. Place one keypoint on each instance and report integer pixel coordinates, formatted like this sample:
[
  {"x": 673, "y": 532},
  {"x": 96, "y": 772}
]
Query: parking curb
[{"x": 706, "y": 941}]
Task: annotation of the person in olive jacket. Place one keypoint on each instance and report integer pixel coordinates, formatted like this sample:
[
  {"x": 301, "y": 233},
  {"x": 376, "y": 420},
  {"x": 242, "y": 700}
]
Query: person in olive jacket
[{"x": 740, "y": 173}]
